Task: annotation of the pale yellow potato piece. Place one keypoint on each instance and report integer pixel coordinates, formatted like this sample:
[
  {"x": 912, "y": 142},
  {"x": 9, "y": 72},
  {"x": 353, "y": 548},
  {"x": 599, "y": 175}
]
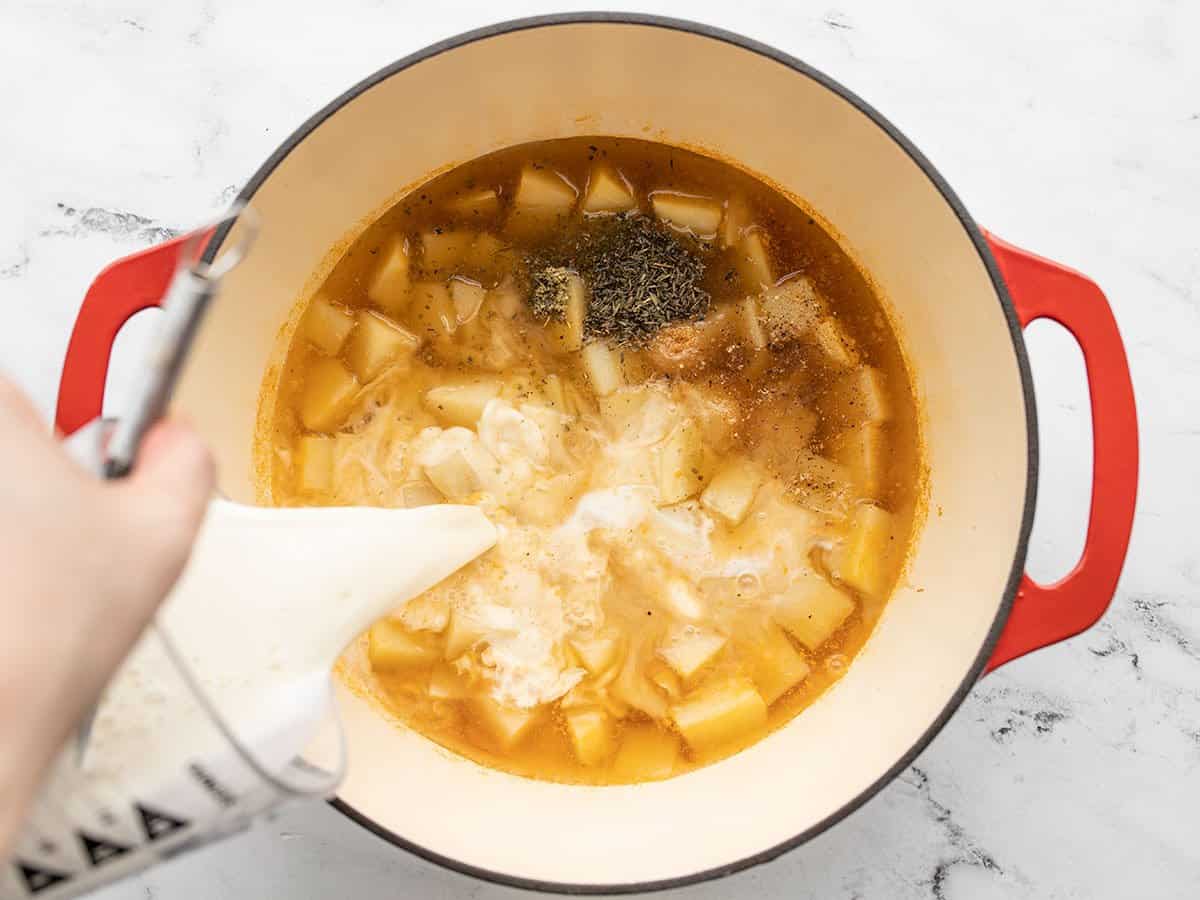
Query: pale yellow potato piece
[
  {"x": 732, "y": 490},
  {"x": 433, "y": 314},
  {"x": 647, "y": 752},
  {"x": 545, "y": 503},
  {"x": 596, "y": 652},
  {"x": 666, "y": 678},
  {"x": 682, "y": 464},
  {"x": 753, "y": 261},
  {"x": 736, "y": 221},
  {"x": 506, "y": 299},
  {"x": 444, "y": 250},
  {"x": 837, "y": 346},
  {"x": 861, "y": 560},
  {"x": 822, "y": 483},
  {"x": 602, "y": 365},
  {"x": 699, "y": 215},
  {"x": 476, "y": 205},
  {"x": 376, "y": 343},
  {"x": 461, "y": 635},
  {"x": 420, "y": 493},
  {"x": 389, "y": 283},
  {"x": 460, "y": 404},
  {"x": 591, "y": 732},
  {"x": 719, "y": 713},
  {"x": 467, "y": 297},
  {"x": 327, "y": 325},
  {"x": 314, "y": 463},
  {"x": 488, "y": 258},
  {"x": 688, "y": 649},
  {"x": 774, "y": 664},
  {"x": 680, "y": 599},
  {"x": 752, "y": 326},
  {"x": 860, "y": 396},
  {"x": 637, "y": 413},
  {"x": 446, "y": 684},
  {"x": 544, "y": 190},
  {"x": 567, "y": 336},
  {"x": 862, "y": 449},
  {"x": 607, "y": 191},
  {"x": 812, "y": 609},
  {"x": 507, "y": 724},
  {"x": 714, "y": 410},
  {"x": 390, "y": 647},
  {"x": 328, "y": 395},
  {"x": 454, "y": 475},
  {"x": 792, "y": 309}
]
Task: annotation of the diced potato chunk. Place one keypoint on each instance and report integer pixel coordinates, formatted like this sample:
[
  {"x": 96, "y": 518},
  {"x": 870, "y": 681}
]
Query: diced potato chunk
[
  {"x": 834, "y": 343},
  {"x": 792, "y": 309},
  {"x": 687, "y": 649},
  {"x": 376, "y": 343},
  {"x": 314, "y": 463},
  {"x": 461, "y": 635},
  {"x": 467, "y": 297},
  {"x": 476, "y": 205},
  {"x": 420, "y": 493},
  {"x": 646, "y": 752},
  {"x": 602, "y": 365},
  {"x": 596, "y": 652},
  {"x": 862, "y": 560},
  {"x": 681, "y": 600},
  {"x": 567, "y": 336},
  {"x": 507, "y": 724},
  {"x": 446, "y": 684},
  {"x": 388, "y": 287},
  {"x": 460, "y": 404},
  {"x": 775, "y": 665},
  {"x": 752, "y": 327},
  {"x": 326, "y": 325},
  {"x": 488, "y": 258},
  {"x": 591, "y": 732},
  {"x": 443, "y": 250},
  {"x": 329, "y": 393},
  {"x": 720, "y": 713},
  {"x": 699, "y": 215},
  {"x": 545, "y": 501},
  {"x": 860, "y": 396},
  {"x": 752, "y": 260},
  {"x": 688, "y": 346},
  {"x": 715, "y": 411},
  {"x": 433, "y": 313},
  {"x": 681, "y": 464},
  {"x": 505, "y": 299},
  {"x": 738, "y": 218},
  {"x": 544, "y": 190},
  {"x": 732, "y": 489},
  {"x": 454, "y": 474},
  {"x": 812, "y": 609},
  {"x": 666, "y": 678},
  {"x": 426, "y": 612},
  {"x": 607, "y": 191},
  {"x": 390, "y": 647},
  {"x": 861, "y": 450}
]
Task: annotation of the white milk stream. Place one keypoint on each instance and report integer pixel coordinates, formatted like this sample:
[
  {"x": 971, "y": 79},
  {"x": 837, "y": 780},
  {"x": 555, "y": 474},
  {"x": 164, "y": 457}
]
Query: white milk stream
[{"x": 267, "y": 603}]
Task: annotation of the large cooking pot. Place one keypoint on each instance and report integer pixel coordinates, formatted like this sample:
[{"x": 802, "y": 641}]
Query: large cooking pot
[{"x": 960, "y": 298}]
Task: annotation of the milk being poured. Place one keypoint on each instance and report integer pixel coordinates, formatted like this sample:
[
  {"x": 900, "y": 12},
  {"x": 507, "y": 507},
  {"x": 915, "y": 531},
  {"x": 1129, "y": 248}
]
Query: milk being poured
[{"x": 267, "y": 603}]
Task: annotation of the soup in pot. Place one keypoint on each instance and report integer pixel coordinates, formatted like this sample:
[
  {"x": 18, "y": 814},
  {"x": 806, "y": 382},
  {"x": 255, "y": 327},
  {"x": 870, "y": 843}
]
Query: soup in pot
[{"x": 684, "y": 408}]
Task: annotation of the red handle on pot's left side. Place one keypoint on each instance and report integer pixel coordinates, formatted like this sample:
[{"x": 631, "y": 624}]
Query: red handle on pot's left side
[
  {"x": 1045, "y": 614},
  {"x": 123, "y": 289}
]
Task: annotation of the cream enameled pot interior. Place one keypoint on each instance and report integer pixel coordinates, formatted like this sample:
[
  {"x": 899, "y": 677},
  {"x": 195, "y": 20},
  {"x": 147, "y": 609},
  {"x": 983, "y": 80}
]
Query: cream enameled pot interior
[{"x": 646, "y": 81}]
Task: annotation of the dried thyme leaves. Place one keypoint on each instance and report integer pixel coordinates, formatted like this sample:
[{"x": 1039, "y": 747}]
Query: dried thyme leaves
[{"x": 640, "y": 277}]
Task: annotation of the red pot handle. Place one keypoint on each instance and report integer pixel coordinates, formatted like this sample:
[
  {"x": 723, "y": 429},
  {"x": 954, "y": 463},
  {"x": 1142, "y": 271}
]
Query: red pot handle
[
  {"x": 1045, "y": 614},
  {"x": 121, "y": 290}
]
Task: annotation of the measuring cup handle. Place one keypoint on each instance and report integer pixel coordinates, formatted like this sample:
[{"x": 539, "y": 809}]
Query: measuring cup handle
[{"x": 121, "y": 290}]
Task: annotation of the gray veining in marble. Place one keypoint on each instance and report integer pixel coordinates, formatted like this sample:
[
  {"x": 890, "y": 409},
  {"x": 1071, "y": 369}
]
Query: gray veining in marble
[{"x": 1069, "y": 127}]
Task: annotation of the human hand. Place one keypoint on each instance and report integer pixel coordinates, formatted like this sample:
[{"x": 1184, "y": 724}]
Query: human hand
[{"x": 85, "y": 564}]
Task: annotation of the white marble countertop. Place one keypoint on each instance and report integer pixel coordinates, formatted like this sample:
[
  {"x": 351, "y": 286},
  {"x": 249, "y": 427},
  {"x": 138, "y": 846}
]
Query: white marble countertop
[{"x": 1071, "y": 128}]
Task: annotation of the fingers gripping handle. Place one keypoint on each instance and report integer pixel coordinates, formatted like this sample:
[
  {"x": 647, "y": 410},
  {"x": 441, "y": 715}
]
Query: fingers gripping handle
[{"x": 1045, "y": 614}]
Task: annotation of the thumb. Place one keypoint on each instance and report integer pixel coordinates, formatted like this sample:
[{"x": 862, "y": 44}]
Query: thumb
[{"x": 168, "y": 491}]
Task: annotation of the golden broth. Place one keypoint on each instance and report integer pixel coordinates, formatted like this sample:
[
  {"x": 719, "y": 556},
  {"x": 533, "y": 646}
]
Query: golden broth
[{"x": 780, "y": 428}]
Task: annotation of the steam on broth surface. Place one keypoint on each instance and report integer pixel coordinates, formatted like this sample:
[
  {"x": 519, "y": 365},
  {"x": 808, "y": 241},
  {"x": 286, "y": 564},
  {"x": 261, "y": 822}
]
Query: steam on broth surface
[{"x": 683, "y": 407}]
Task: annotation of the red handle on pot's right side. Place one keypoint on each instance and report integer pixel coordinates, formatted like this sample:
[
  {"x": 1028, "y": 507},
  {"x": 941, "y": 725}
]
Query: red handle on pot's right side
[{"x": 1045, "y": 614}]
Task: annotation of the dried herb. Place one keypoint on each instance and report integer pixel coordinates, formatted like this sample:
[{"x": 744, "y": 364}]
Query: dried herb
[
  {"x": 640, "y": 277},
  {"x": 548, "y": 294}
]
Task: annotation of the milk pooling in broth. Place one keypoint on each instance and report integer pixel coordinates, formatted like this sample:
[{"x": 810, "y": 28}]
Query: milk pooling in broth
[{"x": 682, "y": 406}]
